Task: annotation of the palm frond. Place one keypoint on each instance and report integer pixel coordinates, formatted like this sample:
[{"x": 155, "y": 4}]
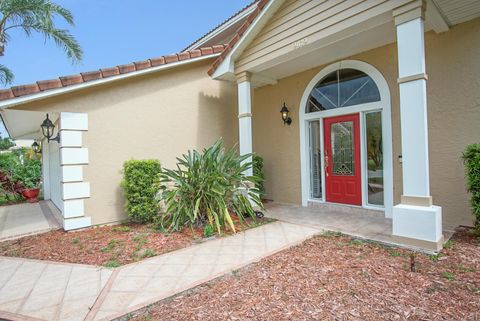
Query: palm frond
[
  {"x": 39, "y": 16},
  {"x": 6, "y": 75}
]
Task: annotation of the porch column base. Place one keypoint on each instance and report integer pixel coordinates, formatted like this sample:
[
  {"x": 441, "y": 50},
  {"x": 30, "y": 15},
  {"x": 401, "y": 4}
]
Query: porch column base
[{"x": 419, "y": 226}]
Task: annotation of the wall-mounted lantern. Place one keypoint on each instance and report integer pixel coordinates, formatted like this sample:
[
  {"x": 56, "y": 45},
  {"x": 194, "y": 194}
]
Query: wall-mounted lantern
[
  {"x": 48, "y": 129},
  {"x": 37, "y": 148},
  {"x": 285, "y": 115}
]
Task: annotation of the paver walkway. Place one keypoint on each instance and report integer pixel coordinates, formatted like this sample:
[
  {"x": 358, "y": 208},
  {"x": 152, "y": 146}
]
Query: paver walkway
[{"x": 52, "y": 291}]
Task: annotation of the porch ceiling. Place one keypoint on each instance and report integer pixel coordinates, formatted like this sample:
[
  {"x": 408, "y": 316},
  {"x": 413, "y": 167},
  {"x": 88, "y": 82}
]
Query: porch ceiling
[
  {"x": 22, "y": 124},
  {"x": 458, "y": 11}
]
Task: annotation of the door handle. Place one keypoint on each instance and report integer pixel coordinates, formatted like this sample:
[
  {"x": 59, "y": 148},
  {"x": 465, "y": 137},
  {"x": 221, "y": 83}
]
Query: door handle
[{"x": 325, "y": 163}]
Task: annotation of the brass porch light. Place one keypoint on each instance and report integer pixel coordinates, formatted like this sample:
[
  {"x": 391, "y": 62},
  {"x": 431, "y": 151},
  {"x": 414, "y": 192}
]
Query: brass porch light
[
  {"x": 48, "y": 129},
  {"x": 286, "y": 115}
]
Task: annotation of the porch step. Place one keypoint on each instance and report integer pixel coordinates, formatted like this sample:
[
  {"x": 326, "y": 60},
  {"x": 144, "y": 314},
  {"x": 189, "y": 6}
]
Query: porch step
[{"x": 346, "y": 209}]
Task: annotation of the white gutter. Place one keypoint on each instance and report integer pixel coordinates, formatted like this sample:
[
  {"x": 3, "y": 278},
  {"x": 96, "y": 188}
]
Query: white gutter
[{"x": 59, "y": 91}]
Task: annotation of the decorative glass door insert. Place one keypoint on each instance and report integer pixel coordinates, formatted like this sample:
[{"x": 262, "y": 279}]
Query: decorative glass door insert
[{"x": 342, "y": 149}]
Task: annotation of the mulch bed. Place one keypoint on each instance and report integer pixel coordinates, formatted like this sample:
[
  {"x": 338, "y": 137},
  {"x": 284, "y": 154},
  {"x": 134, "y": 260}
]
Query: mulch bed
[
  {"x": 110, "y": 246},
  {"x": 334, "y": 277}
]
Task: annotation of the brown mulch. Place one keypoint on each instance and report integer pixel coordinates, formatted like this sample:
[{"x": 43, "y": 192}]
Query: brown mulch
[
  {"x": 110, "y": 246},
  {"x": 333, "y": 277}
]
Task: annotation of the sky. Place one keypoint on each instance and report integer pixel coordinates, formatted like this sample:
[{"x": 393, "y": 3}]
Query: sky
[{"x": 114, "y": 32}]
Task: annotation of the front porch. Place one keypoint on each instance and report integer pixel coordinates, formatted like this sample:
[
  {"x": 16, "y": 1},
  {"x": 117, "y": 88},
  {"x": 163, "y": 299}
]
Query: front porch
[{"x": 359, "y": 223}]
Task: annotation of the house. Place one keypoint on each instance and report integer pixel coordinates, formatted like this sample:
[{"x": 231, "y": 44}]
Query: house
[{"x": 382, "y": 98}]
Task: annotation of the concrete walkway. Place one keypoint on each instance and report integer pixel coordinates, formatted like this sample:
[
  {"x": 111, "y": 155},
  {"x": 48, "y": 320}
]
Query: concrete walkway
[
  {"x": 52, "y": 291},
  {"x": 26, "y": 219}
]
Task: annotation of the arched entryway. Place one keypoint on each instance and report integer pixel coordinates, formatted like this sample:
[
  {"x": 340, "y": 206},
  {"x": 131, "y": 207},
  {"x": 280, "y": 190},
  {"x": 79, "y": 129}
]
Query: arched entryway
[{"x": 346, "y": 138}]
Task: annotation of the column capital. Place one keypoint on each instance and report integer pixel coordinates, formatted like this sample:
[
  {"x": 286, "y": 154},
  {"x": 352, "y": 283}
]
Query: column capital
[
  {"x": 413, "y": 10},
  {"x": 243, "y": 76}
]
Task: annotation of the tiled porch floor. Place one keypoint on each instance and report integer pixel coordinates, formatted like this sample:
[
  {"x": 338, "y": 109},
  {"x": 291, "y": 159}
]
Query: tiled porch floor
[
  {"x": 25, "y": 219},
  {"x": 369, "y": 226}
]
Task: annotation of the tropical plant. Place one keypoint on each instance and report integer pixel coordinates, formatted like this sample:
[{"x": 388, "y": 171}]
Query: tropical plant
[
  {"x": 258, "y": 171},
  {"x": 29, "y": 174},
  {"x": 6, "y": 143},
  {"x": 140, "y": 186},
  {"x": 206, "y": 188},
  {"x": 36, "y": 16},
  {"x": 471, "y": 159}
]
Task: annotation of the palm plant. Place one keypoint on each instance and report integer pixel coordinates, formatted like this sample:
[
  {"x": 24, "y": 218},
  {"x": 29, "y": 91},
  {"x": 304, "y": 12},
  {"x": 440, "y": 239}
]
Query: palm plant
[
  {"x": 207, "y": 187},
  {"x": 36, "y": 16}
]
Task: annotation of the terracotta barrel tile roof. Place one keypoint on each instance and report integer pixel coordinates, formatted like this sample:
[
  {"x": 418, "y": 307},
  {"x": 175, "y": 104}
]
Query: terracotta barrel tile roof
[
  {"x": 109, "y": 72},
  {"x": 49, "y": 84},
  {"x": 224, "y": 22},
  {"x": 91, "y": 75},
  {"x": 44, "y": 85},
  {"x": 140, "y": 65},
  {"x": 241, "y": 31},
  {"x": 25, "y": 89},
  {"x": 70, "y": 80}
]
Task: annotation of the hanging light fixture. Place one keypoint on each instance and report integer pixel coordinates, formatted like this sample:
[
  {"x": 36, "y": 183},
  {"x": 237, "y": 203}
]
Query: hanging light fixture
[
  {"x": 37, "y": 148},
  {"x": 48, "y": 129},
  {"x": 286, "y": 115}
]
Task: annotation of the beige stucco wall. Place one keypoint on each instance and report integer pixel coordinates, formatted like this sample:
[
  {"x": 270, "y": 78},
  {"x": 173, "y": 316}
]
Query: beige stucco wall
[
  {"x": 160, "y": 115},
  {"x": 454, "y": 119}
]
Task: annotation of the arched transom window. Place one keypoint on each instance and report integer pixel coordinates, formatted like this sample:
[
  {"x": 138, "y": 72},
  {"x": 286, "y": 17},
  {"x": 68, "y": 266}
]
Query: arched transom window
[{"x": 342, "y": 88}]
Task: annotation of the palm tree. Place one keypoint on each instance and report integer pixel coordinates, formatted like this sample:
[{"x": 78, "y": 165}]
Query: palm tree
[{"x": 36, "y": 16}]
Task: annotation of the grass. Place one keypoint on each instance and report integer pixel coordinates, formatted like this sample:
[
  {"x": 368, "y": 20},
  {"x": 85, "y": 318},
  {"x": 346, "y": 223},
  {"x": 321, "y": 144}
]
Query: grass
[
  {"x": 394, "y": 253},
  {"x": 465, "y": 269},
  {"x": 330, "y": 234},
  {"x": 435, "y": 257},
  {"x": 76, "y": 240},
  {"x": 111, "y": 264},
  {"x": 110, "y": 246},
  {"x": 449, "y": 244},
  {"x": 123, "y": 229},
  {"x": 448, "y": 275}
]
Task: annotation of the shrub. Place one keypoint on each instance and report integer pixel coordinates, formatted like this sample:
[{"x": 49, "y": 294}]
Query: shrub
[
  {"x": 258, "y": 172},
  {"x": 206, "y": 187},
  {"x": 140, "y": 186},
  {"x": 29, "y": 174},
  {"x": 471, "y": 159}
]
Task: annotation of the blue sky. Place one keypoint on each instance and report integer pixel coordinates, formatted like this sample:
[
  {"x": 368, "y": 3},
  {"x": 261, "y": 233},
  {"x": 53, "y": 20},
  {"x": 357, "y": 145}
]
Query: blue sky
[{"x": 113, "y": 32}]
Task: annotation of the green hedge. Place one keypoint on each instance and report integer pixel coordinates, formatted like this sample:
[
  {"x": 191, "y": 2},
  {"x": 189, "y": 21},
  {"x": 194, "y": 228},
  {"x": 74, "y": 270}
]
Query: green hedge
[
  {"x": 258, "y": 171},
  {"x": 471, "y": 159},
  {"x": 140, "y": 186}
]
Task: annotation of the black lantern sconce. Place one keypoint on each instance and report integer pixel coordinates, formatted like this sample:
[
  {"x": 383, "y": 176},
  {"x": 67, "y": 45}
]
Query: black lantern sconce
[
  {"x": 37, "y": 148},
  {"x": 47, "y": 129},
  {"x": 286, "y": 115}
]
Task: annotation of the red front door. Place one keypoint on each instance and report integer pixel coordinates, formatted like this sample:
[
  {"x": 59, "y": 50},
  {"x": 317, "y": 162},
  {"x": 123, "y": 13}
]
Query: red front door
[{"x": 343, "y": 182}]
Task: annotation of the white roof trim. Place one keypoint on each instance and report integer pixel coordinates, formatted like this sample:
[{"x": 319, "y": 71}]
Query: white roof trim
[
  {"x": 227, "y": 66},
  {"x": 59, "y": 91},
  {"x": 222, "y": 27}
]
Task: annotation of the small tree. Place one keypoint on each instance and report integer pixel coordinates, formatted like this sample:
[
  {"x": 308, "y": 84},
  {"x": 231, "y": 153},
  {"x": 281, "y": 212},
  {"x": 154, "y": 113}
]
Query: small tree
[{"x": 471, "y": 159}]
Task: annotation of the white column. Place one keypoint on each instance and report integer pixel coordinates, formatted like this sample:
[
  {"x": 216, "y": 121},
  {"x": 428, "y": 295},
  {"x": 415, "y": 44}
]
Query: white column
[
  {"x": 415, "y": 221},
  {"x": 245, "y": 115},
  {"x": 46, "y": 169},
  {"x": 73, "y": 157}
]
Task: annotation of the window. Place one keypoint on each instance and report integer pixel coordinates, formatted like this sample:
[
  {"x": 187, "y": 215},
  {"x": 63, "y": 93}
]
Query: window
[
  {"x": 315, "y": 160},
  {"x": 373, "y": 123},
  {"x": 342, "y": 88}
]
